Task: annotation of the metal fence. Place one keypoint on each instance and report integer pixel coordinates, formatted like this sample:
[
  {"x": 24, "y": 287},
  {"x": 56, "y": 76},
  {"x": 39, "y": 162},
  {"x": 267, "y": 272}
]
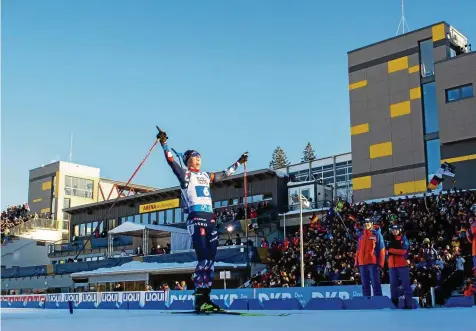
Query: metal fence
[{"x": 33, "y": 224}]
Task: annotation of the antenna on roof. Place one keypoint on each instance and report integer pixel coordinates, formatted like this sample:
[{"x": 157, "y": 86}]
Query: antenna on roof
[
  {"x": 403, "y": 22},
  {"x": 70, "y": 158}
]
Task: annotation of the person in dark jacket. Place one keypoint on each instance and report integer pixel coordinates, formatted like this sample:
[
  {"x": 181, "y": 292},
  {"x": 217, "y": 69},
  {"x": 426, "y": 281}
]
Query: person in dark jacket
[{"x": 399, "y": 272}]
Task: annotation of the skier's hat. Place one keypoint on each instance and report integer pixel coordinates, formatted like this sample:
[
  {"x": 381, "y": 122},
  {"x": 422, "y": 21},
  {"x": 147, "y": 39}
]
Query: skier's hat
[{"x": 188, "y": 154}]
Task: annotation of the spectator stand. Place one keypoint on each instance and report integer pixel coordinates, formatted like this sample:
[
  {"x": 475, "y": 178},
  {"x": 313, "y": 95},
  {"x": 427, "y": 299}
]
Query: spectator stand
[{"x": 435, "y": 229}]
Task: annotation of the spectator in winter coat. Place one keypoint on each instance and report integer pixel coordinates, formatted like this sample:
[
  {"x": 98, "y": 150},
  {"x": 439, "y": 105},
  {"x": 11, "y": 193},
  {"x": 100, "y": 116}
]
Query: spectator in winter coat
[
  {"x": 370, "y": 258},
  {"x": 398, "y": 267},
  {"x": 471, "y": 236}
]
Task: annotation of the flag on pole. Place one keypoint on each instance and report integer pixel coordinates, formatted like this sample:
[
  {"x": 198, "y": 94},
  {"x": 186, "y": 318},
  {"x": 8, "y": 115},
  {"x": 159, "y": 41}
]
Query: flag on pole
[
  {"x": 445, "y": 170},
  {"x": 304, "y": 201}
]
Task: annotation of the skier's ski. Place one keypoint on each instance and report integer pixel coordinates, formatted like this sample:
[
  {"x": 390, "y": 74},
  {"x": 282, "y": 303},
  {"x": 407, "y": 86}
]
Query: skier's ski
[{"x": 227, "y": 312}]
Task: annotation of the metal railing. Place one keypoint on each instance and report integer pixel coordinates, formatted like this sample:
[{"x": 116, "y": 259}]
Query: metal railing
[{"x": 33, "y": 224}]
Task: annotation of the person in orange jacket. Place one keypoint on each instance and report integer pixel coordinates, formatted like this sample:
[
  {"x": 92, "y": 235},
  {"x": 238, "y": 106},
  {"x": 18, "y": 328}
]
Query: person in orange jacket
[
  {"x": 471, "y": 236},
  {"x": 399, "y": 272},
  {"x": 370, "y": 258}
]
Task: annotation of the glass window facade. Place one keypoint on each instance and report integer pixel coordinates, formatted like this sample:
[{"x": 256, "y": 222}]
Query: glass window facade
[
  {"x": 161, "y": 217},
  {"x": 153, "y": 218},
  {"x": 430, "y": 108},
  {"x": 433, "y": 157},
  {"x": 78, "y": 187},
  {"x": 427, "y": 58}
]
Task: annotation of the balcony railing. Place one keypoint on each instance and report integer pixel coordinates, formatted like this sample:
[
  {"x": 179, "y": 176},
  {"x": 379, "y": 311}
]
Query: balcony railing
[{"x": 33, "y": 224}]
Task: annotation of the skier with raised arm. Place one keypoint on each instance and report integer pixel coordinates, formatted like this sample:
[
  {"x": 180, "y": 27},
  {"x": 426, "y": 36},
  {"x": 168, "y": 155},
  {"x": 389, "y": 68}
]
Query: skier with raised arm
[{"x": 201, "y": 224}]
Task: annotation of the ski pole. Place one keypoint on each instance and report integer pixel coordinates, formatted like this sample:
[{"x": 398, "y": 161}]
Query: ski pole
[{"x": 118, "y": 196}]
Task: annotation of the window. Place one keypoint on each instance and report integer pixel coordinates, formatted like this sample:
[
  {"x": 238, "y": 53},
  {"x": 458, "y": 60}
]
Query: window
[
  {"x": 161, "y": 217},
  {"x": 178, "y": 215},
  {"x": 257, "y": 198},
  {"x": 170, "y": 216},
  {"x": 235, "y": 202},
  {"x": 430, "y": 108},
  {"x": 340, "y": 172},
  {"x": 66, "y": 204},
  {"x": 78, "y": 187},
  {"x": 101, "y": 227},
  {"x": 328, "y": 174},
  {"x": 88, "y": 228},
  {"x": 82, "y": 230},
  {"x": 130, "y": 219},
  {"x": 432, "y": 157},
  {"x": 460, "y": 92},
  {"x": 95, "y": 225},
  {"x": 427, "y": 58},
  {"x": 76, "y": 230},
  {"x": 224, "y": 203},
  {"x": 217, "y": 204},
  {"x": 137, "y": 219},
  {"x": 145, "y": 218},
  {"x": 153, "y": 218}
]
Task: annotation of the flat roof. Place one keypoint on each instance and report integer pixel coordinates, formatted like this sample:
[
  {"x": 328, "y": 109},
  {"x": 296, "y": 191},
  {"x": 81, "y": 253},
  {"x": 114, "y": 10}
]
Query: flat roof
[
  {"x": 123, "y": 184},
  {"x": 399, "y": 36},
  {"x": 456, "y": 57},
  {"x": 169, "y": 192}
]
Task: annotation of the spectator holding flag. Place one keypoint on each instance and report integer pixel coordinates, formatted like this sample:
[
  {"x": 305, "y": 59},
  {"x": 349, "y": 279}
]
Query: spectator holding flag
[
  {"x": 397, "y": 248},
  {"x": 370, "y": 258}
]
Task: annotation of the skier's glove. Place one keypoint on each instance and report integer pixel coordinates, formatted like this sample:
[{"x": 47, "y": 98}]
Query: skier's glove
[
  {"x": 243, "y": 158},
  {"x": 162, "y": 137}
]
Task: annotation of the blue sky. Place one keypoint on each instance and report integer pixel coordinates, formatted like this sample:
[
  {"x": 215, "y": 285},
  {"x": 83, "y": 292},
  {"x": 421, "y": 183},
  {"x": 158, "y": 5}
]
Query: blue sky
[{"x": 221, "y": 77}]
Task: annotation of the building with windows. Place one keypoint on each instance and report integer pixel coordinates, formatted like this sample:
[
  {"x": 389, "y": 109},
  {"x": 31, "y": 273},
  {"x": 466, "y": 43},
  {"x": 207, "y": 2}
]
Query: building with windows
[
  {"x": 335, "y": 171},
  {"x": 412, "y": 108},
  {"x": 61, "y": 185}
]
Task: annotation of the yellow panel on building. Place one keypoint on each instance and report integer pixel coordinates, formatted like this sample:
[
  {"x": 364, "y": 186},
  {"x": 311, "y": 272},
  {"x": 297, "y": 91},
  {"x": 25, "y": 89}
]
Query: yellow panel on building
[
  {"x": 460, "y": 158},
  {"x": 46, "y": 186},
  {"x": 360, "y": 183},
  {"x": 410, "y": 187},
  {"x": 400, "y": 109},
  {"x": 161, "y": 205},
  {"x": 398, "y": 64},
  {"x": 414, "y": 69},
  {"x": 38, "y": 200},
  {"x": 45, "y": 210},
  {"x": 358, "y": 129},
  {"x": 438, "y": 32},
  {"x": 381, "y": 150},
  {"x": 357, "y": 85},
  {"x": 415, "y": 93}
]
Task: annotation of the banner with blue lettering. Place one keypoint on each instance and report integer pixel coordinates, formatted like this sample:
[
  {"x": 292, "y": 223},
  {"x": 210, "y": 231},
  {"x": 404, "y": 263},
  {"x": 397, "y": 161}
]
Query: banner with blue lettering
[{"x": 163, "y": 299}]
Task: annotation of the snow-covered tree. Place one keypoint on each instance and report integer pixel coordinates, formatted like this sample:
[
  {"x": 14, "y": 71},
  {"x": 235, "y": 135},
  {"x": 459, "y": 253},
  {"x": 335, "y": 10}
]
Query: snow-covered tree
[
  {"x": 308, "y": 153},
  {"x": 279, "y": 159}
]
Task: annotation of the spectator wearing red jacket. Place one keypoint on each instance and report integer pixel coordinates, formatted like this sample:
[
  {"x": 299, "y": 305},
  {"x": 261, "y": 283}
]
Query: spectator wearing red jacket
[
  {"x": 471, "y": 236},
  {"x": 399, "y": 272},
  {"x": 370, "y": 258}
]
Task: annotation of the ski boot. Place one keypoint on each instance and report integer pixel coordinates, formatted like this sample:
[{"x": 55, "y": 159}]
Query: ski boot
[
  {"x": 199, "y": 299},
  {"x": 208, "y": 306}
]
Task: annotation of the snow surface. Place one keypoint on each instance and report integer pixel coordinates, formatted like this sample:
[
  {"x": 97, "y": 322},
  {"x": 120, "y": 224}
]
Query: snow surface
[{"x": 453, "y": 319}]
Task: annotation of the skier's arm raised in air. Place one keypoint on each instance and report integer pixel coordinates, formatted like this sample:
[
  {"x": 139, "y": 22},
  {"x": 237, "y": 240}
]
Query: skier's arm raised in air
[
  {"x": 176, "y": 168},
  {"x": 218, "y": 176}
]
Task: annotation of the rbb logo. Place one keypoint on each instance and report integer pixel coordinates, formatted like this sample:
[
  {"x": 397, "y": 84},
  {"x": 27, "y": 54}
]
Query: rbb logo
[
  {"x": 264, "y": 296},
  {"x": 89, "y": 297},
  {"x": 130, "y": 297},
  {"x": 331, "y": 295},
  {"x": 55, "y": 297},
  {"x": 181, "y": 297},
  {"x": 154, "y": 296},
  {"x": 110, "y": 297}
]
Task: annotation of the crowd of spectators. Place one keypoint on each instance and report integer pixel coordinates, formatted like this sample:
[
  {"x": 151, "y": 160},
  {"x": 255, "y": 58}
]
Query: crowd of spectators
[
  {"x": 234, "y": 213},
  {"x": 11, "y": 217},
  {"x": 439, "y": 254}
]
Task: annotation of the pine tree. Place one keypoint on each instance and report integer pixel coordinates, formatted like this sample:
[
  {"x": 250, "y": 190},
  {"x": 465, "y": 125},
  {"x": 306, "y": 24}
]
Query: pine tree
[
  {"x": 279, "y": 159},
  {"x": 309, "y": 153}
]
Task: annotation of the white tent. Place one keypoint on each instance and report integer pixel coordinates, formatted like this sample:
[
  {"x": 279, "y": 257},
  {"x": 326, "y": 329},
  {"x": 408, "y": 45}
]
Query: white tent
[{"x": 179, "y": 238}]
